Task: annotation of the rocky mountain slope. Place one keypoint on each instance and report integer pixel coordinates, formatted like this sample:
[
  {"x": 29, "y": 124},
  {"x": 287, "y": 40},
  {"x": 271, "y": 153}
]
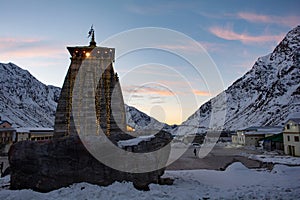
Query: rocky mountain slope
[
  {"x": 25, "y": 101},
  {"x": 141, "y": 121},
  {"x": 268, "y": 94}
]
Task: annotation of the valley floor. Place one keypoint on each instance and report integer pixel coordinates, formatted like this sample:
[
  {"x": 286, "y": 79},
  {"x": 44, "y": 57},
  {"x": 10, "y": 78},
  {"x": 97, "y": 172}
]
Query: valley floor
[{"x": 218, "y": 158}]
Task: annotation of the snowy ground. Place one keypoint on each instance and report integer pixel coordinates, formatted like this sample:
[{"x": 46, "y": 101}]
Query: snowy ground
[
  {"x": 276, "y": 159},
  {"x": 236, "y": 182},
  {"x": 262, "y": 155}
]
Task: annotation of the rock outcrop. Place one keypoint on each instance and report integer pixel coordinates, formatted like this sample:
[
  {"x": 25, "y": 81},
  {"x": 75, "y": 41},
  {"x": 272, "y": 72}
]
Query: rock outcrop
[{"x": 48, "y": 165}]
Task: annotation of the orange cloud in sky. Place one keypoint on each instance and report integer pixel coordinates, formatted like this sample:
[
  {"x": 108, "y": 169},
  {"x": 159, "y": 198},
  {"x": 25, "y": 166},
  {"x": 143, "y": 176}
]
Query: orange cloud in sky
[
  {"x": 16, "y": 41},
  {"x": 148, "y": 90},
  {"x": 158, "y": 91},
  {"x": 182, "y": 44},
  {"x": 289, "y": 21},
  {"x": 229, "y": 34},
  {"x": 195, "y": 47},
  {"x": 201, "y": 93},
  {"x": 191, "y": 47},
  {"x": 12, "y": 48},
  {"x": 31, "y": 52}
]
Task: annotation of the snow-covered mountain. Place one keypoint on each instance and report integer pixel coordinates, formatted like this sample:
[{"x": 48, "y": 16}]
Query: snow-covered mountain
[
  {"x": 268, "y": 94},
  {"x": 25, "y": 101},
  {"x": 141, "y": 121}
]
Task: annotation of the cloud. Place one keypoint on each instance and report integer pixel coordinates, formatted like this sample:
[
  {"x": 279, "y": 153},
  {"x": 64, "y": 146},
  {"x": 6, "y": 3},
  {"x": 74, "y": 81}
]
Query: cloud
[
  {"x": 213, "y": 47},
  {"x": 195, "y": 47},
  {"x": 289, "y": 21},
  {"x": 33, "y": 52},
  {"x": 228, "y": 34},
  {"x": 180, "y": 82},
  {"x": 187, "y": 46},
  {"x": 11, "y": 48},
  {"x": 201, "y": 93},
  {"x": 155, "y": 97},
  {"x": 154, "y": 69},
  {"x": 148, "y": 90},
  {"x": 15, "y": 42},
  {"x": 137, "y": 96},
  {"x": 191, "y": 47},
  {"x": 158, "y": 102},
  {"x": 158, "y": 91}
]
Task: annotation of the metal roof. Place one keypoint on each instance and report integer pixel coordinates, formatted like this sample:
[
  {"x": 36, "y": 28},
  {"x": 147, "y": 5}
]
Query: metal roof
[
  {"x": 264, "y": 129},
  {"x": 3, "y": 121},
  {"x": 7, "y": 129},
  {"x": 32, "y": 129},
  {"x": 297, "y": 120}
]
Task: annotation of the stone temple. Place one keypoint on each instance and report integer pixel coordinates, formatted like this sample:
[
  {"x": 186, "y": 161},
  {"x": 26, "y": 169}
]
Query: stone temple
[
  {"x": 87, "y": 56},
  {"x": 51, "y": 164}
]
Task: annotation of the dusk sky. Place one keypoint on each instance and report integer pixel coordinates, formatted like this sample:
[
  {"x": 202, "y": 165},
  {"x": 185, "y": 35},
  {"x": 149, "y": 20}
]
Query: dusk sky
[{"x": 34, "y": 35}]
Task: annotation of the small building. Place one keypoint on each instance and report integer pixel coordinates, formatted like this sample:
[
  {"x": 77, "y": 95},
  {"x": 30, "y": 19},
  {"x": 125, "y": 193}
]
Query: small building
[
  {"x": 41, "y": 134},
  {"x": 274, "y": 142},
  {"x": 252, "y": 135},
  {"x": 7, "y": 136},
  {"x": 291, "y": 135},
  {"x": 22, "y": 134},
  {"x": 34, "y": 134}
]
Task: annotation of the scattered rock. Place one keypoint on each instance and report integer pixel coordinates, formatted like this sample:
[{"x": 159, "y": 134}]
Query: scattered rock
[{"x": 166, "y": 181}]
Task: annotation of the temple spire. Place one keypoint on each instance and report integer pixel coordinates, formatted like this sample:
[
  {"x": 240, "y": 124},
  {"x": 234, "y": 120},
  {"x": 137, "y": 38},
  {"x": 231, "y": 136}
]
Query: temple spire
[{"x": 92, "y": 33}]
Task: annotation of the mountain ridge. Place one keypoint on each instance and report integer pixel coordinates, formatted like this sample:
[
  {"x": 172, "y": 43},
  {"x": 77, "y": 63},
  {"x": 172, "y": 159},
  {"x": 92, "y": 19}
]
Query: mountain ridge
[
  {"x": 24, "y": 100},
  {"x": 265, "y": 95}
]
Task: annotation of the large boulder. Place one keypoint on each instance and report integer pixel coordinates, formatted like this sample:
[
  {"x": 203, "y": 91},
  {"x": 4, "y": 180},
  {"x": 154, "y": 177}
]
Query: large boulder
[{"x": 48, "y": 165}]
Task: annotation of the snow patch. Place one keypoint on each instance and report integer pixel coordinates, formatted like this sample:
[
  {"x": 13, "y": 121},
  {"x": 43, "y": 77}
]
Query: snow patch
[{"x": 134, "y": 141}]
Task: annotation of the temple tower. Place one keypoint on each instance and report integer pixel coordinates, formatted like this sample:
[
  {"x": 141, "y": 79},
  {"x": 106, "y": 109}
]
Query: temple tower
[{"x": 108, "y": 86}]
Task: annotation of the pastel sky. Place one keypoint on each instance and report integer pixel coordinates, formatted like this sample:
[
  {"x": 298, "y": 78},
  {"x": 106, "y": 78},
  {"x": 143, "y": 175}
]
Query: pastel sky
[{"x": 34, "y": 34}]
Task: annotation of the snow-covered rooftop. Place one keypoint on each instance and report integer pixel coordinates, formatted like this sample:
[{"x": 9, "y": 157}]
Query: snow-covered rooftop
[
  {"x": 257, "y": 130},
  {"x": 296, "y": 120},
  {"x": 254, "y": 133},
  {"x": 134, "y": 141},
  {"x": 3, "y": 121},
  {"x": 29, "y": 129}
]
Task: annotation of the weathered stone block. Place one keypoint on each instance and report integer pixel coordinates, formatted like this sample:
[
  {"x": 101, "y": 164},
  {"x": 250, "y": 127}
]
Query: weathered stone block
[{"x": 49, "y": 165}]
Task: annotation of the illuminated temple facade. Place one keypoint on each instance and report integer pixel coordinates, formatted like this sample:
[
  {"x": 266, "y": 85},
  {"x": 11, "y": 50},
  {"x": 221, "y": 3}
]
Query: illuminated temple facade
[{"x": 107, "y": 86}]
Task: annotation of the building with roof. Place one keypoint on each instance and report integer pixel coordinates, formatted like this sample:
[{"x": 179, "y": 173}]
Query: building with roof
[
  {"x": 291, "y": 135},
  {"x": 252, "y": 135},
  {"x": 7, "y": 136},
  {"x": 4, "y": 124},
  {"x": 273, "y": 142},
  {"x": 34, "y": 134}
]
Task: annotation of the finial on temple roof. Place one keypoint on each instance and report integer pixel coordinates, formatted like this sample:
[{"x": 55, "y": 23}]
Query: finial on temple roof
[{"x": 92, "y": 33}]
